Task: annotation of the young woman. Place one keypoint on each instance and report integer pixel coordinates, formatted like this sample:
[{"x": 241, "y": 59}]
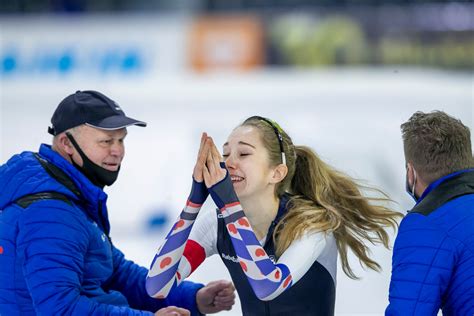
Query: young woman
[{"x": 283, "y": 215}]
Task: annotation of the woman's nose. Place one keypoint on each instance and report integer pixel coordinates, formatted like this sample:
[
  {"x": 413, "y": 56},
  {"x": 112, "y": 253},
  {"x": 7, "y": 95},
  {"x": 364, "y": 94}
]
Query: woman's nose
[{"x": 230, "y": 163}]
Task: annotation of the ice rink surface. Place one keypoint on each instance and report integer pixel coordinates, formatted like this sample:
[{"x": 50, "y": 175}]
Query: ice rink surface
[{"x": 351, "y": 117}]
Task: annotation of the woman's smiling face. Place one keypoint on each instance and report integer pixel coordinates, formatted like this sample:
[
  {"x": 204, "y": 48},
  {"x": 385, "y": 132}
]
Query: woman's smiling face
[{"x": 247, "y": 161}]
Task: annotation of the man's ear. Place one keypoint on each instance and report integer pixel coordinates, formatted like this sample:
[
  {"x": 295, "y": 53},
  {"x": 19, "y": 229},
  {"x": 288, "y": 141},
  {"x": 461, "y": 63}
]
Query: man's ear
[
  {"x": 279, "y": 173},
  {"x": 65, "y": 144},
  {"x": 410, "y": 173}
]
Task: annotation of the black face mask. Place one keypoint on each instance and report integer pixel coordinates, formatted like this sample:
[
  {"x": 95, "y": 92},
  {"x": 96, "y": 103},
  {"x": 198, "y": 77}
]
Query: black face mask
[
  {"x": 96, "y": 174},
  {"x": 411, "y": 191}
]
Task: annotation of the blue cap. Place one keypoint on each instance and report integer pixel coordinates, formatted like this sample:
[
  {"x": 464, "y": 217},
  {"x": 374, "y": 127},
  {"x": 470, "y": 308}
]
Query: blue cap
[{"x": 91, "y": 108}]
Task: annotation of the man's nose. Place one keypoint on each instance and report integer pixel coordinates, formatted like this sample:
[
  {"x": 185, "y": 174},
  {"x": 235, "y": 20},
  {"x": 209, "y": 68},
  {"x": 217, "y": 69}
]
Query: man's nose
[{"x": 117, "y": 149}]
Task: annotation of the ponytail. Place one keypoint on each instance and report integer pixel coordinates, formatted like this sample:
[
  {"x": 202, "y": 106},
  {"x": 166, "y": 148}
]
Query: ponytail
[{"x": 324, "y": 199}]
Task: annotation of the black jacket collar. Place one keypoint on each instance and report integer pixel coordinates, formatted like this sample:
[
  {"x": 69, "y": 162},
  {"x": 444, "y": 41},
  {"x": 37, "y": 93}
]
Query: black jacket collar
[{"x": 453, "y": 187}]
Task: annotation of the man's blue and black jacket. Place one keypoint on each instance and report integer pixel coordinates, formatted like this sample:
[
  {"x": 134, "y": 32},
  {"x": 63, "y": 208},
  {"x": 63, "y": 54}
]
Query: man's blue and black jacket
[
  {"x": 56, "y": 257},
  {"x": 433, "y": 257}
]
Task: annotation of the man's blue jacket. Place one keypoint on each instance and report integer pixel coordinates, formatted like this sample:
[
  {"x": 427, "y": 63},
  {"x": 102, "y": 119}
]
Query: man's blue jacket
[
  {"x": 56, "y": 257},
  {"x": 433, "y": 256}
]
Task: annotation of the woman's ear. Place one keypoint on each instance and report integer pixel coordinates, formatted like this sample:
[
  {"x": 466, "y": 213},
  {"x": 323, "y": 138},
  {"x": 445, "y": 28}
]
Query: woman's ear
[{"x": 279, "y": 173}]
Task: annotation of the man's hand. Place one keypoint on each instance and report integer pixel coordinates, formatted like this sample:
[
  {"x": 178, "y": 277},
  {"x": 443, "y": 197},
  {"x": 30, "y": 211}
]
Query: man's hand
[
  {"x": 172, "y": 311},
  {"x": 216, "y": 296}
]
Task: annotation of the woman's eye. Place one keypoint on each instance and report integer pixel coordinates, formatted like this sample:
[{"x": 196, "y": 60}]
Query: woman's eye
[
  {"x": 244, "y": 154},
  {"x": 225, "y": 156}
]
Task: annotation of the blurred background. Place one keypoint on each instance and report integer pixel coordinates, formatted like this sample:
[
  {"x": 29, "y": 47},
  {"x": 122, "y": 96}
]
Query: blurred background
[{"x": 339, "y": 76}]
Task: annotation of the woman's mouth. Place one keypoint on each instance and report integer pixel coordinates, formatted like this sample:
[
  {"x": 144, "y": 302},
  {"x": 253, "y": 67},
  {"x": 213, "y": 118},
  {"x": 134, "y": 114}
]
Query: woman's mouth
[{"x": 236, "y": 179}]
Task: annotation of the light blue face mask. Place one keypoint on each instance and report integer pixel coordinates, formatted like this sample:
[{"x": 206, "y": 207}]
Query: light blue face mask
[{"x": 411, "y": 191}]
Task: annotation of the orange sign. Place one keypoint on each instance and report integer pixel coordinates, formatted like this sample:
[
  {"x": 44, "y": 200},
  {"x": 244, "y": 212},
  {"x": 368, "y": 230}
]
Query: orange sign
[{"x": 226, "y": 42}]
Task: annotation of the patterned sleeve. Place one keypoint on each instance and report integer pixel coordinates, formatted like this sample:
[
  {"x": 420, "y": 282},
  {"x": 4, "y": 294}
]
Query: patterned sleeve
[
  {"x": 267, "y": 279},
  {"x": 170, "y": 267},
  {"x": 204, "y": 233}
]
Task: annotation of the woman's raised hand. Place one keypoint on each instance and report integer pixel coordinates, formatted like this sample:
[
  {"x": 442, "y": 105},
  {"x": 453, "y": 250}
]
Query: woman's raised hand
[
  {"x": 213, "y": 172},
  {"x": 202, "y": 157}
]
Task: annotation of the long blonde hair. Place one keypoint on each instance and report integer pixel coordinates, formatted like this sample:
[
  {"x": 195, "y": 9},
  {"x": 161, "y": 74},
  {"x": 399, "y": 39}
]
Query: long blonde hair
[{"x": 324, "y": 199}]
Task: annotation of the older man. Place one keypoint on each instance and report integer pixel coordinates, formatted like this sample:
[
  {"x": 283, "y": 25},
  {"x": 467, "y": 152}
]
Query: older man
[{"x": 56, "y": 256}]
